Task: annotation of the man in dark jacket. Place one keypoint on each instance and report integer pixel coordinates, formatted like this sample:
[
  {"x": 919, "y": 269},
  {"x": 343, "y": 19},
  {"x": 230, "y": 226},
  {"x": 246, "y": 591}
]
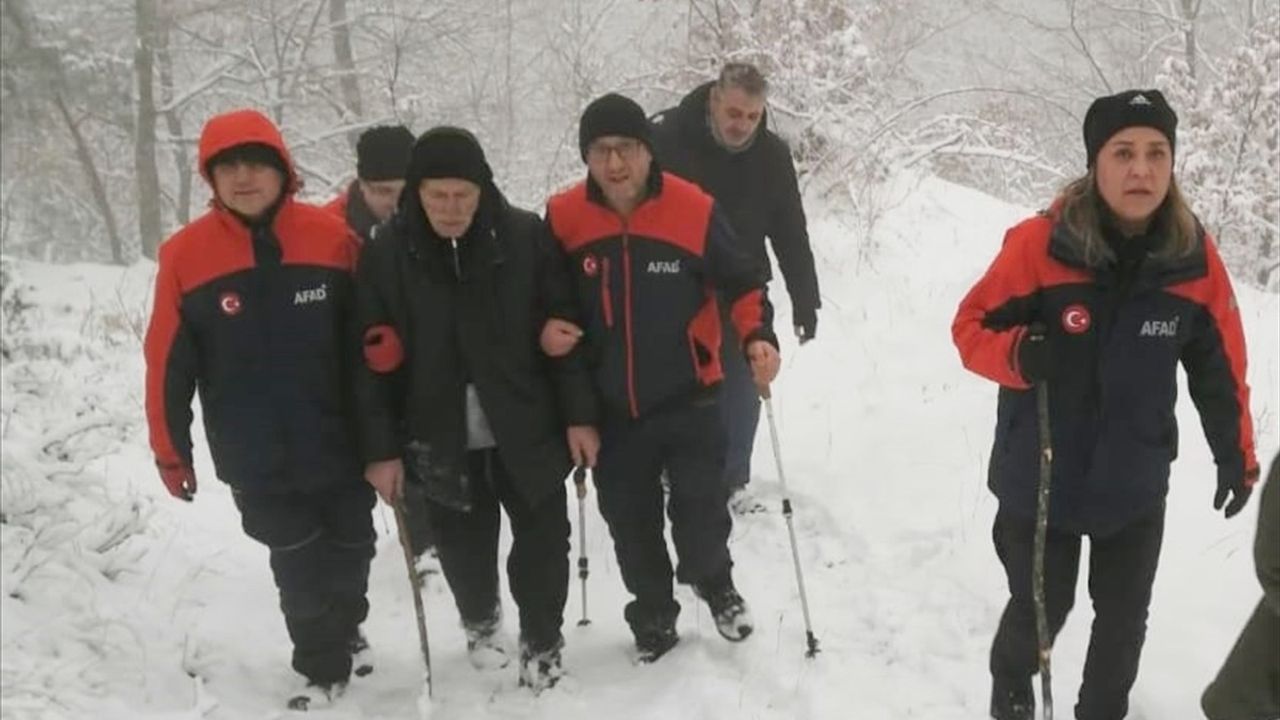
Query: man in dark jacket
[
  {"x": 252, "y": 306},
  {"x": 455, "y": 393},
  {"x": 382, "y": 152},
  {"x": 649, "y": 255},
  {"x": 1248, "y": 685},
  {"x": 718, "y": 137},
  {"x": 382, "y": 155}
]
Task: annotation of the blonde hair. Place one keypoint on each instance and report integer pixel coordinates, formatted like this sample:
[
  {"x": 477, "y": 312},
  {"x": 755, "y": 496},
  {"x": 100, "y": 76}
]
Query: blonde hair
[{"x": 1081, "y": 209}]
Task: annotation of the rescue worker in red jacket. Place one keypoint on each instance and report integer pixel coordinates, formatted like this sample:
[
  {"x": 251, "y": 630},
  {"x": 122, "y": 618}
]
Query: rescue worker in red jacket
[
  {"x": 252, "y": 308},
  {"x": 382, "y": 154},
  {"x": 1127, "y": 285},
  {"x": 647, "y": 253}
]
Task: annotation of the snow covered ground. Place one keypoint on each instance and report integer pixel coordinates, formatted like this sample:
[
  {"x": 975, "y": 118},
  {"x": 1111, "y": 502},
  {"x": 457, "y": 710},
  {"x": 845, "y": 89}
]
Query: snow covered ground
[{"x": 119, "y": 602}]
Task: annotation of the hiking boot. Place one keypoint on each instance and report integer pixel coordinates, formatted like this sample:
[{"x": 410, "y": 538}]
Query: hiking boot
[
  {"x": 1012, "y": 700},
  {"x": 540, "y": 669},
  {"x": 315, "y": 696},
  {"x": 654, "y": 626},
  {"x": 485, "y": 650},
  {"x": 361, "y": 657},
  {"x": 742, "y": 502},
  {"x": 730, "y": 611},
  {"x": 654, "y": 642}
]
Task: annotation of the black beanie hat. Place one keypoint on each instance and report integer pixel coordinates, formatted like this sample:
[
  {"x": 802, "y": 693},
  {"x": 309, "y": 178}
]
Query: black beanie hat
[
  {"x": 254, "y": 152},
  {"x": 1113, "y": 113},
  {"x": 447, "y": 152},
  {"x": 382, "y": 152},
  {"x": 612, "y": 114}
]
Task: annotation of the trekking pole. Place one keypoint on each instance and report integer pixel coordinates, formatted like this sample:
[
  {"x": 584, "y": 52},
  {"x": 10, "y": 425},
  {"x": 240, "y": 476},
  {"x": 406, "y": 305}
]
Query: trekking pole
[
  {"x": 1036, "y": 333},
  {"x": 401, "y": 528},
  {"x": 580, "y": 480},
  {"x": 791, "y": 531}
]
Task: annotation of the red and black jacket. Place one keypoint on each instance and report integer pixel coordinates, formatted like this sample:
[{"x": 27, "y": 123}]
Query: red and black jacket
[
  {"x": 648, "y": 289},
  {"x": 257, "y": 322},
  {"x": 351, "y": 207},
  {"x": 1118, "y": 341}
]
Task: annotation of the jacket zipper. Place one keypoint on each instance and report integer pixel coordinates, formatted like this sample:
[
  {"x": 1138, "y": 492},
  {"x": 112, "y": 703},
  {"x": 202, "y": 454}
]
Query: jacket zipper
[
  {"x": 606, "y": 299},
  {"x": 627, "y": 322}
]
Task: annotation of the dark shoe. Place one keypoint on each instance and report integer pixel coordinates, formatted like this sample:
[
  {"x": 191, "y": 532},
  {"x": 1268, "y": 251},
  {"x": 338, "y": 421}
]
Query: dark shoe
[
  {"x": 743, "y": 502},
  {"x": 485, "y": 650},
  {"x": 315, "y": 696},
  {"x": 654, "y": 626},
  {"x": 361, "y": 657},
  {"x": 540, "y": 668},
  {"x": 1012, "y": 700},
  {"x": 654, "y": 642},
  {"x": 730, "y": 611}
]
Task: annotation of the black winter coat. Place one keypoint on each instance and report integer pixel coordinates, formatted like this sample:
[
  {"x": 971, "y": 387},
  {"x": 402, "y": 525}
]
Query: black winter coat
[
  {"x": 473, "y": 317},
  {"x": 756, "y": 188}
]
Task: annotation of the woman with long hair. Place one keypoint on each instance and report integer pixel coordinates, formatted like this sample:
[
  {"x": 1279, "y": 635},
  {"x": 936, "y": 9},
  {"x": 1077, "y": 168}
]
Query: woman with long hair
[{"x": 1101, "y": 297}]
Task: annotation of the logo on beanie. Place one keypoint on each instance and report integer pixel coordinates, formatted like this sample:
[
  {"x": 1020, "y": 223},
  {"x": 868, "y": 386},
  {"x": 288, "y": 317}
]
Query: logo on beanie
[
  {"x": 230, "y": 303},
  {"x": 1139, "y": 100},
  {"x": 1076, "y": 319},
  {"x": 590, "y": 266}
]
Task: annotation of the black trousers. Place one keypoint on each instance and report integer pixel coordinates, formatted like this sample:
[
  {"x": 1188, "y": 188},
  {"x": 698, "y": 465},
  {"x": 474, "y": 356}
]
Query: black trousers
[
  {"x": 1122, "y": 568},
  {"x": 321, "y": 545},
  {"x": 537, "y": 567},
  {"x": 688, "y": 442}
]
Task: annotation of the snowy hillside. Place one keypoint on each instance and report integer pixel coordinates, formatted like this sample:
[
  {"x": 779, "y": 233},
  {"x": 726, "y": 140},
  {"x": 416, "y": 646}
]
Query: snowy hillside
[{"x": 119, "y": 602}]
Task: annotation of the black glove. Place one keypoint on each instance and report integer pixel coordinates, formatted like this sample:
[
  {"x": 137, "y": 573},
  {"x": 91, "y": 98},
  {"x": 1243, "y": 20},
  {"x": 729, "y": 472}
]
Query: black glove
[
  {"x": 1236, "y": 484},
  {"x": 1036, "y": 359},
  {"x": 806, "y": 322}
]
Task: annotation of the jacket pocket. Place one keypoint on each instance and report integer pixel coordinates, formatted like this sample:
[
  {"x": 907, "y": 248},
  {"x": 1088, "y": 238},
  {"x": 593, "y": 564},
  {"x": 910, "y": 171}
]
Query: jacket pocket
[{"x": 704, "y": 343}]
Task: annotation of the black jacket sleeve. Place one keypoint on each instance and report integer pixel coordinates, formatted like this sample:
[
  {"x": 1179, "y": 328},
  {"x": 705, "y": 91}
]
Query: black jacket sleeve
[
  {"x": 788, "y": 233},
  {"x": 1216, "y": 360},
  {"x": 378, "y": 392},
  {"x": 664, "y": 132},
  {"x": 740, "y": 281},
  {"x": 575, "y": 389}
]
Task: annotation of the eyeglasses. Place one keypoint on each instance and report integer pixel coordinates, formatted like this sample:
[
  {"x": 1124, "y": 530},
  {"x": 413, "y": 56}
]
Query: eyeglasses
[{"x": 627, "y": 150}]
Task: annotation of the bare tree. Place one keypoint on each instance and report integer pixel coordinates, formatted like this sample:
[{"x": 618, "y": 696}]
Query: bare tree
[
  {"x": 144, "y": 155},
  {"x": 47, "y": 61},
  {"x": 173, "y": 122},
  {"x": 341, "y": 29}
]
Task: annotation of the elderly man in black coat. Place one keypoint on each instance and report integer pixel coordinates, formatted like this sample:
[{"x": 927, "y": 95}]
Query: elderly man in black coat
[{"x": 455, "y": 394}]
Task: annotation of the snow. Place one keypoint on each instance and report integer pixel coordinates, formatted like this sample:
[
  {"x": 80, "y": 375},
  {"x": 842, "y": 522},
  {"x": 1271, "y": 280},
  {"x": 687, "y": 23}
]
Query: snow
[{"x": 120, "y": 602}]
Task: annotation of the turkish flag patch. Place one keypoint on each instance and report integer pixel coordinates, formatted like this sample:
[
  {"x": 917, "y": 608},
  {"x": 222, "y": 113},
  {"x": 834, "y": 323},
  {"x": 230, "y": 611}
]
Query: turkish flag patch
[
  {"x": 229, "y": 303},
  {"x": 1076, "y": 319}
]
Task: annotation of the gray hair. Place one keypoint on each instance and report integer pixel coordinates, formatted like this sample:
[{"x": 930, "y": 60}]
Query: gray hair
[{"x": 744, "y": 76}]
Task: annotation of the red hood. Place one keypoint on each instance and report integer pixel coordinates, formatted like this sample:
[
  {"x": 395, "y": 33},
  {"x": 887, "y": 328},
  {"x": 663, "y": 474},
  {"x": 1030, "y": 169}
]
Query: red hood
[{"x": 241, "y": 127}]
